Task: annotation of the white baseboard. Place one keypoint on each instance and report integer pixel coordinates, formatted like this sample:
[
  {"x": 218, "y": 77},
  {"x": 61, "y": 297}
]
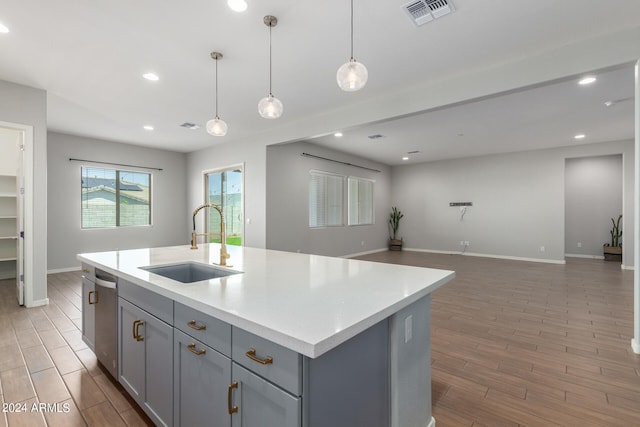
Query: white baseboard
[
  {"x": 627, "y": 267},
  {"x": 63, "y": 270},
  {"x": 635, "y": 346},
  {"x": 38, "y": 303},
  {"x": 364, "y": 253},
  {"x": 512, "y": 258},
  {"x": 432, "y": 423},
  {"x": 584, "y": 256}
]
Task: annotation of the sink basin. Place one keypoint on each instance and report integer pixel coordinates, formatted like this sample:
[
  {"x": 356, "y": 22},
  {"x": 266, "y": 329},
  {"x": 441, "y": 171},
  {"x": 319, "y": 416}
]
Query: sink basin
[{"x": 189, "y": 272}]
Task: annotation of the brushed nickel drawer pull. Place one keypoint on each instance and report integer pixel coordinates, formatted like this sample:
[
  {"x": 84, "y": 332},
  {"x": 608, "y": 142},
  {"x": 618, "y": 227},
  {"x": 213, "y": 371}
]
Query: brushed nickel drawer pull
[
  {"x": 192, "y": 349},
  {"x": 232, "y": 409},
  {"x": 193, "y": 325},
  {"x": 251, "y": 354}
]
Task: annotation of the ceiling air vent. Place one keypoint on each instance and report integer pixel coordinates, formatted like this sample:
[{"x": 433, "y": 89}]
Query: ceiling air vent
[
  {"x": 423, "y": 11},
  {"x": 191, "y": 126},
  {"x": 376, "y": 136}
]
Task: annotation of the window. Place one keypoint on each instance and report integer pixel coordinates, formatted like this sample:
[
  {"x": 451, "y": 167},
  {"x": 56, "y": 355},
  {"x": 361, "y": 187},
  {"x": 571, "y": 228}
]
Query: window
[
  {"x": 224, "y": 188},
  {"x": 101, "y": 188},
  {"x": 325, "y": 199},
  {"x": 360, "y": 195}
]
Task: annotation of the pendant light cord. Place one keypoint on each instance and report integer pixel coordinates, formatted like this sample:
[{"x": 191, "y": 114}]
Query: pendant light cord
[
  {"x": 270, "y": 67},
  {"x": 216, "y": 88},
  {"x": 352, "y": 29}
]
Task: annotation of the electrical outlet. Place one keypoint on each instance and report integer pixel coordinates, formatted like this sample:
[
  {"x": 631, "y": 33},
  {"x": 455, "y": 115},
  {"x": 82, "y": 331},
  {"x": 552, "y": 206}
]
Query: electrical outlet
[
  {"x": 461, "y": 242},
  {"x": 467, "y": 243},
  {"x": 579, "y": 244},
  {"x": 542, "y": 249},
  {"x": 408, "y": 329},
  {"x": 362, "y": 243}
]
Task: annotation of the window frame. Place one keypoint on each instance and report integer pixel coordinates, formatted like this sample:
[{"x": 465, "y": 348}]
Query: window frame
[
  {"x": 117, "y": 173},
  {"x": 349, "y": 204},
  {"x": 315, "y": 172}
]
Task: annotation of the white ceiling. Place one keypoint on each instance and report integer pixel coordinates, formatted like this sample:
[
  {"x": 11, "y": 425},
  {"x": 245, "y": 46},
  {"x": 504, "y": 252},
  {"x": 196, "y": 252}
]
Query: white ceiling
[{"x": 90, "y": 56}]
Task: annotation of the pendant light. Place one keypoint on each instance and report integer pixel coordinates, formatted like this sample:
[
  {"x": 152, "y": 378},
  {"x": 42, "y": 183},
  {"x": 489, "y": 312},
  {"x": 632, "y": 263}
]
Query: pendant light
[
  {"x": 352, "y": 75},
  {"x": 216, "y": 126},
  {"x": 270, "y": 107}
]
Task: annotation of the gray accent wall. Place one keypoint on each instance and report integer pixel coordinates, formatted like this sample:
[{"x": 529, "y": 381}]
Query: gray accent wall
[
  {"x": 27, "y": 106},
  {"x": 287, "y": 202},
  {"x": 168, "y": 200},
  {"x": 593, "y": 195},
  {"x": 518, "y": 202}
]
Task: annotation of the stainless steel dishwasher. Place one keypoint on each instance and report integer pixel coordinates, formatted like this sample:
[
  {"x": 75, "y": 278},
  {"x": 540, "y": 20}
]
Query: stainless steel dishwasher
[{"x": 107, "y": 321}]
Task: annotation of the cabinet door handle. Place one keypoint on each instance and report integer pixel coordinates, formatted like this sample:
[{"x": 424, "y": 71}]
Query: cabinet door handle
[
  {"x": 193, "y": 325},
  {"x": 232, "y": 409},
  {"x": 95, "y": 299},
  {"x": 136, "y": 332},
  {"x": 192, "y": 349},
  {"x": 251, "y": 354},
  {"x": 86, "y": 270}
]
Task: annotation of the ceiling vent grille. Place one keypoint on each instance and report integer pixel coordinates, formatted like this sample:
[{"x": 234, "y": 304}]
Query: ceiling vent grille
[
  {"x": 191, "y": 126},
  {"x": 423, "y": 11},
  {"x": 376, "y": 136}
]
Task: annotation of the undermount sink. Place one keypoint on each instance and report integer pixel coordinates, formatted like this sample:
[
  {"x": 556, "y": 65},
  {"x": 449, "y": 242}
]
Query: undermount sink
[{"x": 189, "y": 272}]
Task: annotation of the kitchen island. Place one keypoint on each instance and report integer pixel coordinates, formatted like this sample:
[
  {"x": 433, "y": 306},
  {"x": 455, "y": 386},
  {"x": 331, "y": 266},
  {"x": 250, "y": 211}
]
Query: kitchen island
[{"x": 344, "y": 342}]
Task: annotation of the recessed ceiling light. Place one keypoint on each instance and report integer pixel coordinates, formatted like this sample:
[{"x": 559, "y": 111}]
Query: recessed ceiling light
[
  {"x": 237, "y": 5},
  {"x": 580, "y": 136},
  {"x": 337, "y": 134},
  {"x": 151, "y": 76},
  {"x": 405, "y": 158},
  {"x": 587, "y": 80},
  {"x": 3, "y": 29},
  {"x": 147, "y": 127}
]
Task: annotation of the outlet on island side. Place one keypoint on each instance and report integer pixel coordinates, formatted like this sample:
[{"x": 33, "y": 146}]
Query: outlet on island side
[{"x": 408, "y": 329}]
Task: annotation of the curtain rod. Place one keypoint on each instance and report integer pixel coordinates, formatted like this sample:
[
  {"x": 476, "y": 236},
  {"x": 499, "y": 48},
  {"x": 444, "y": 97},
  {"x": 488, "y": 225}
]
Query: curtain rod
[
  {"x": 114, "y": 164},
  {"x": 338, "y": 161}
]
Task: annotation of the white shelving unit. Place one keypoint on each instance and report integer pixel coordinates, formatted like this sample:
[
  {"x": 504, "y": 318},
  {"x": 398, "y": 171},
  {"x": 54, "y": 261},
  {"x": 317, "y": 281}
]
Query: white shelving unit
[{"x": 8, "y": 227}]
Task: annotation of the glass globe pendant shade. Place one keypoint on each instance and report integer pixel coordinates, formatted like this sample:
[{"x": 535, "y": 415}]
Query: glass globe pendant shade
[
  {"x": 237, "y": 5},
  {"x": 217, "y": 127},
  {"x": 352, "y": 76},
  {"x": 270, "y": 107}
]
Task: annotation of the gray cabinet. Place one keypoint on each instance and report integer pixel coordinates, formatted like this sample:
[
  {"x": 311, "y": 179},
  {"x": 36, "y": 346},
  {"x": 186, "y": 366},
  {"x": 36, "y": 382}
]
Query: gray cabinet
[
  {"x": 256, "y": 402},
  {"x": 89, "y": 299},
  {"x": 201, "y": 384},
  {"x": 145, "y": 361}
]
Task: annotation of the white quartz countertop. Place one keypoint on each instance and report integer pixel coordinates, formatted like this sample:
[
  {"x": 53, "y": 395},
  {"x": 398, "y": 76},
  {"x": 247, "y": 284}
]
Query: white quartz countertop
[{"x": 307, "y": 303}]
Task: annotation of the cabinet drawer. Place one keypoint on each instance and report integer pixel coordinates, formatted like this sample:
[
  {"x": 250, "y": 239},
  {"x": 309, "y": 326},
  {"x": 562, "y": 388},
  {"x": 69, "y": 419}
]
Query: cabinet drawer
[
  {"x": 271, "y": 361},
  {"x": 157, "y": 305},
  {"x": 211, "y": 331},
  {"x": 89, "y": 272}
]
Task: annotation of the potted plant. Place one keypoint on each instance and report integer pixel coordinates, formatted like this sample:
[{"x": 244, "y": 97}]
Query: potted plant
[
  {"x": 613, "y": 251},
  {"x": 395, "y": 244}
]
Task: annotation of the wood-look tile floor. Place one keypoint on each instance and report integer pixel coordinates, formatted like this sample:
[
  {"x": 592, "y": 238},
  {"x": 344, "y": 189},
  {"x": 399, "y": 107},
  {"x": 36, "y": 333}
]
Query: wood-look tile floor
[
  {"x": 530, "y": 344},
  {"x": 48, "y": 376},
  {"x": 513, "y": 343}
]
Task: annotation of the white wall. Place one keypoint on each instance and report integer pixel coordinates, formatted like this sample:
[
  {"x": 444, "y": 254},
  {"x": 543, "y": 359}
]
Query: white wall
[
  {"x": 9, "y": 149},
  {"x": 593, "y": 195},
  {"x": 518, "y": 202},
  {"x": 288, "y": 202},
  {"x": 169, "y": 200},
  {"x": 27, "y": 106},
  {"x": 253, "y": 157}
]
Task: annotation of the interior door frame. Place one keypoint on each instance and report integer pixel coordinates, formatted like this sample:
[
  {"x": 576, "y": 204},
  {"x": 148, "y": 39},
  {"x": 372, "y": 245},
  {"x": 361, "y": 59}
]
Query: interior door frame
[{"x": 26, "y": 257}]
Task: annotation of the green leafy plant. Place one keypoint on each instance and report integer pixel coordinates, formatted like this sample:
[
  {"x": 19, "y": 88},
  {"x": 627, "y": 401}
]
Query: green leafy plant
[
  {"x": 394, "y": 222},
  {"x": 616, "y": 233}
]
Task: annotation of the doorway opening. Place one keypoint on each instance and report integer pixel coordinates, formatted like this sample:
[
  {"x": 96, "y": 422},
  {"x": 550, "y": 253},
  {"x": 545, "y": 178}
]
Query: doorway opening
[
  {"x": 593, "y": 205},
  {"x": 12, "y": 144},
  {"x": 224, "y": 187}
]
